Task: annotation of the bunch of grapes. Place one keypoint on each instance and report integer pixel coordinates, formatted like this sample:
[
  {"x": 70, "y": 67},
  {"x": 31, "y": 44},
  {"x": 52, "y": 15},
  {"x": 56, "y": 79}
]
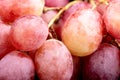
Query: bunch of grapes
[{"x": 59, "y": 40}]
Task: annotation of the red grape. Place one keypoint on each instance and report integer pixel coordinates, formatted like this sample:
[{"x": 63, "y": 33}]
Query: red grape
[
  {"x": 5, "y": 45},
  {"x": 82, "y": 32},
  {"x": 112, "y": 18},
  {"x": 28, "y": 32},
  {"x": 47, "y": 16},
  {"x": 16, "y": 66},
  {"x": 73, "y": 8},
  {"x": 103, "y": 64},
  {"x": 12, "y": 9},
  {"x": 53, "y": 61},
  {"x": 66, "y": 15}
]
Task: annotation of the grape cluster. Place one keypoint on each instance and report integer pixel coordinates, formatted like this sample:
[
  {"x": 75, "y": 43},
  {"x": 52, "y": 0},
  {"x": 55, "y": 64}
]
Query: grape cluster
[{"x": 59, "y": 40}]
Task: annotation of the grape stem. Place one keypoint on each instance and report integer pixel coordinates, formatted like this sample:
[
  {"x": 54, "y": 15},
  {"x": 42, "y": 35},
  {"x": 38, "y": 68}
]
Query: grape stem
[
  {"x": 94, "y": 4},
  {"x": 51, "y": 8},
  {"x": 104, "y": 1},
  {"x": 52, "y": 33},
  {"x": 117, "y": 43},
  {"x": 60, "y": 12}
]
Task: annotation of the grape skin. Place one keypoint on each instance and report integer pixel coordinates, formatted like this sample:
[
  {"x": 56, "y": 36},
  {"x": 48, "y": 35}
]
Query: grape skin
[
  {"x": 53, "y": 61},
  {"x": 28, "y": 33},
  {"x": 82, "y": 38},
  {"x": 12, "y": 9},
  {"x": 112, "y": 18},
  {"x": 47, "y": 16},
  {"x": 16, "y": 66},
  {"x": 67, "y": 14},
  {"x": 56, "y": 3},
  {"x": 5, "y": 44},
  {"x": 103, "y": 64}
]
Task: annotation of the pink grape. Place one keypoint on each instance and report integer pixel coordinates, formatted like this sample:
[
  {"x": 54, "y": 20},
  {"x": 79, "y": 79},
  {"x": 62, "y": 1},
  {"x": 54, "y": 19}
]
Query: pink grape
[
  {"x": 53, "y": 61},
  {"x": 73, "y": 8},
  {"x": 47, "y": 16},
  {"x": 56, "y": 3},
  {"x": 5, "y": 44},
  {"x": 103, "y": 64},
  {"x": 82, "y": 32},
  {"x": 66, "y": 15},
  {"x": 12, "y": 9},
  {"x": 28, "y": 33},
  {"x": 16, "y": 66},
  {"x": 112, "y": 18}
]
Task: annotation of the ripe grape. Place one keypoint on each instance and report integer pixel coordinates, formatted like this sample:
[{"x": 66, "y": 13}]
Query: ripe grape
[
  {"x": 56, "y": 3},
  {"x": 47, "y": 16},
  {"x": 82, "y": 32},
  {"x": 12, "y": 9},
  {"x": 28, "y": 32},
  {"x": 112, "y": 18},
  {"x": 73, "y": 8},
  {"x": 5, "y": 45},
  {"x": 66, "y": 15},
  {"x": 16, "y": 66},
  {"x": 103, "y": 64},
  {"x": 53, "y": 61}
]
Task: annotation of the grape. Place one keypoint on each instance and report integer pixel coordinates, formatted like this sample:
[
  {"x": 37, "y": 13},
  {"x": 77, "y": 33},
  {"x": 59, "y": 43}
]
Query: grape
[
  {"x": 66, "y": 15},
  {"x": 103, "y": 64},
  {"x": 47, "y": 16},
  {"x": 112, "y": 18},
  {"x": 56, "y": 3},
  {"x": 82, "y": 32},
  {"x": 12, "y": 9},
  {"x": 73, "y": 8},
  {"x": 28, "y": 33},
  {"x": 53, "y": 61},
  {"x": 5, "y": 45},
  {"x": 16, "y": 66}
]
